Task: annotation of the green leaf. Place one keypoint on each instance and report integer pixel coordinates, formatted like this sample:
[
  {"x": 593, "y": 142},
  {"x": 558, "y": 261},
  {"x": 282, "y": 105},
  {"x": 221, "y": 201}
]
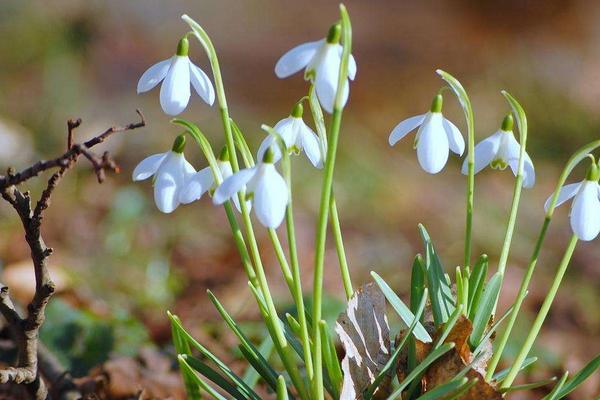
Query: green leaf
[
  {"x": 528, "y": 386},
  {"x": 393, "y": 360},
  {"x": 555, "y": 393},
  {"x": 579, "y": 377},
  {"x": 252, "y": 373},
  {"x": 476, "y": 284},
  {"x": 500, "y": 375},
  {"x": 182, "y": 347},
  {"x": 417, "y": 283},
  {"x": 485, "y": 309},
  {"x": 250, "y": 352},
  {"x": 212, "y": 375},
  {"x": 403, "y": 311},
  {"x": 282, "y": 393},
  {"x": 176, "y": 323},
  {"x": 442, "y": 301},
  {"x": 431, "y": 357},
  {"x": 442, "y": 390},
  {"x": 330, "y": 360},
  {"x": 193, "y": 377},
  {"x": 492, "y": 329}
]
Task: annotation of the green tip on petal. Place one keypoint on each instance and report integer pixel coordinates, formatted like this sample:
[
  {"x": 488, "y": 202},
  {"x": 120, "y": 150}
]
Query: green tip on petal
[
  {"x": 298, "y": 110},
  {"x": 183, "y": 47},
  {"x": 436, "y": 104},
  {"x": 508, "y": 123},
  {"x": 268, "y": 156},
  {"x": 334, "y": 34},
  {"x": 179, "y": 144},
  {"x": 224, "y": 154}
]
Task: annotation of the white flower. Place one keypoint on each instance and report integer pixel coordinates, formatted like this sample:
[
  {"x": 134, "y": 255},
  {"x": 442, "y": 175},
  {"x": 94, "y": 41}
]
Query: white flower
[
  {"x": 178, "y": 72},
  {"x": 203, "y": 181},
  {"x": 435, "y": 138},
  {"x": 501, "y": 150},
  {"x": 171, "y": 172},
  {"x": 585, "y": 210},
  {"x": 297, "y": 136},
  {"x": 321, "y": 60},
  {"x": 264, "y": 185}
]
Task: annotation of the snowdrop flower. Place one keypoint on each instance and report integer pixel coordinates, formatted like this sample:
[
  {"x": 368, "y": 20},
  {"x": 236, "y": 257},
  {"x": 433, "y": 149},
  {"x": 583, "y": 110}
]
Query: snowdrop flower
[
  {"x": 585, "y": 210},
  {"x": 264, "y": 186},
  {"x": 177, "y": 72},
  {"x": 297, "y": 137},
  {"x": 501, "y": 150},
  {"x": 203, "y": 181},
  {"x": 435, "y": 137},
  {"x": 171, "y": 172},
  {"x": 321, "y": 62}
]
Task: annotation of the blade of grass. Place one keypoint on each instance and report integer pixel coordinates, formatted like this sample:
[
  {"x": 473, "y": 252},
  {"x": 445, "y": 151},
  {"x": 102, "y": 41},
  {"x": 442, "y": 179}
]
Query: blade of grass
[
  {"x": 477, "y": 283},
  {"x": 254, "y": 373},
  {"x": 442, "y": 390},
  {"x": 528, "y": 386},
  {"x": 403, "y": 311},
  {"x": 500, "y": 375},
  {"x": 282, "y": 393},
  {"x": 331, "y": 361},
  {"x": 579, "y": 377},
  {"x": 555, "y": 393},
  {"x": 485, "y": 309},
  {"x": 183, "y": 347},
  {"x": 189, "y": 372}
]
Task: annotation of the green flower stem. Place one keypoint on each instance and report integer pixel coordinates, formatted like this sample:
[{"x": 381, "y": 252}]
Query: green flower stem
[
  {"x": 501, "y": 343},
  {"x": 326, "y": 191},
  {"x": 282, "y": 344},
  {"x": 285, "y": 267},
  {"x": 465, "y": 103},
  {"x": 539, "y": 320},
  {"x": 296, "y": 278},
  {"x": 339, "y": 246}
]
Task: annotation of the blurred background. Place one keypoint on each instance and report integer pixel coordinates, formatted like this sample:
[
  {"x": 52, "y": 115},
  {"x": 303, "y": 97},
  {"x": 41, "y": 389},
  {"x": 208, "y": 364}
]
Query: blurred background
[{"x": 120, "y": 264}]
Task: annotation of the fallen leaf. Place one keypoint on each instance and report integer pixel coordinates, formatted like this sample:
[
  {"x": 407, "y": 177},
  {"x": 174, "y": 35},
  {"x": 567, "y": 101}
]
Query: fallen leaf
[{"x": 365, "y": 335}]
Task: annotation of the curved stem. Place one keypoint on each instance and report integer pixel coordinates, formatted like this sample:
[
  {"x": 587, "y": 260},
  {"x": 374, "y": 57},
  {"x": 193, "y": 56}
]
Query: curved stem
[{"x": 539, "y": 320}]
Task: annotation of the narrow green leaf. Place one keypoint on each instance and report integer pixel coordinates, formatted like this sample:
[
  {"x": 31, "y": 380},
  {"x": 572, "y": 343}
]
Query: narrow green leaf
[
  {"x": 442, "y": 390},
  {"x": 528, "y": 386},
  {"x": 462, "y": 390},
  {"x": 403, "y": 311},
  {"x": 332, "y": 364},
  {"x": 252, "y": 374},
  {"x": 442, "y": 301},
  {"x": 182, "y": 347},
  {"x": 393, "y": 360},
  {"x": 555, "y": 393},
  {"x": 500, "y": 375},
  {"x": 431, "y": 357},
  {"x": 491, "y": 331},
  {"x": 448, "y": 326},
  {"x": 293, "y": 323},
  {"x": 265, "y": 370},
  {"x": 417, "y": 283},
  {"x": 189, "y": 372},
  {"x": 476, "y": 284},
  {"x": 206, "y": 353},
  {"x": 485, "y": 309},
  {"x": 579, "y": 377},
  {"x": 212, "y": 375},
  {"x": 282, "y": 393}
]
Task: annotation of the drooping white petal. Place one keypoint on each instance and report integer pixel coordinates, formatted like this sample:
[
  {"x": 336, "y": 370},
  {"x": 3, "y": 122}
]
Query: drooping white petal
[
  {"x": 528, "y": 173},
  {"x": 296, "y": 59},
  {"x": 196, "y": 185},
  {"x": 168, "y": 182},
  {"x": 267, "y": 142},
  {"x": 432, "y": 145},
  {"x": 485, "y": 152},
  {"x": 585, "y": 212},
  {"x": 153, "y": 76},
  {"x": 175, "y": 90},
  {"x": 512, "y": 151},
  {"x": 232, "y": 185},
  {"x": 566, "y": 192},
  {"x": 148, "y": 167},
  {"x": 455, "y": 138},
  {"x": 202, "y": 84},
  {"x": 405, "y": 127},
  {"x": 270, "y": 197},
  {"x": 310, "y": 143},
  {"x": 326, "y": 79}
]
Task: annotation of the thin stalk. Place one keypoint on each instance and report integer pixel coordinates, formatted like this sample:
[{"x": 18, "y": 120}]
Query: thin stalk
[
  {"x": 326, "y": 190},
  {"x": 501, "y": 344},
  {"x": 296, "y": 278},
  {"x": 539, "y": 320},
  {"x": 339, "y": 247},
  {"x": 285, "y": 267}
]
